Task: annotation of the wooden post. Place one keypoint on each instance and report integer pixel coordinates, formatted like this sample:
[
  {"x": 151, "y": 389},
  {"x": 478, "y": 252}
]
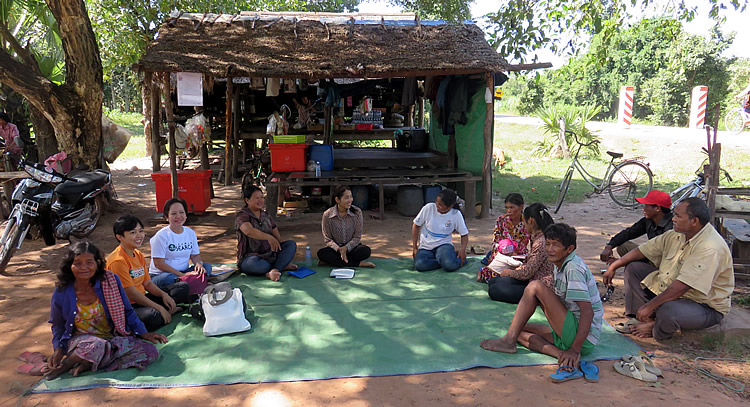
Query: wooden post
[
  {"x": 170, "y": 122},
  {"x": 410, "y": 117},
  {"x": 236, "y": 134},
  {"x": 489, "y": 121},
  {"x": 155, "y": 122},
  {"x": 452, "y": 151},
  {"x": 420, "y": 113},
  {"x": 228, "y": 145},
  {"x": 328, "y": 125}
]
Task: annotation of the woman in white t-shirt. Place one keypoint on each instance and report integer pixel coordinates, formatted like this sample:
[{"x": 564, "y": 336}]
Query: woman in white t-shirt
[
  {"x": 431, "y": 234},
  {"x": 174, "y": 247}
]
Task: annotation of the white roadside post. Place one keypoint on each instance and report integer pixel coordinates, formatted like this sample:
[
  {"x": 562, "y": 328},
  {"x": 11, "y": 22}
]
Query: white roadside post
[
  {"x": 698, "y": 103},
  {"x": 625, "y": 111}
]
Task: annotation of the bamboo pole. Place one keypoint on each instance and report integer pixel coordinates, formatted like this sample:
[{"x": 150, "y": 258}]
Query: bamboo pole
[
  {"x": 228, "y": 145},
  {"x": 489, "y": 120},
  {"x": 236, "y": 154},
  {"x": 155, "y": 121},
  {"x": 170, "y": 122}
]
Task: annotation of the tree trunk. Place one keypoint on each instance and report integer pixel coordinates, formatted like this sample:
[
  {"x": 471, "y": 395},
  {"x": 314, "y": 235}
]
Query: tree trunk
[
  {"x": 46, "y": 143},
  {"x": 74, "y": 109},
  {"x": 146, "y": 86}
]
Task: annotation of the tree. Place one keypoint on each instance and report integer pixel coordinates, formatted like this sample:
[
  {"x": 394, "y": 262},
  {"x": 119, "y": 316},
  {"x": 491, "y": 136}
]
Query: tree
[{"x": 73, "y": 107}]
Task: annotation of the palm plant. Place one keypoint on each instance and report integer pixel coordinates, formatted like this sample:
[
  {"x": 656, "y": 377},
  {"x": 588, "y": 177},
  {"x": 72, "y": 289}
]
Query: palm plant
[{"x": 575, "y": 119}]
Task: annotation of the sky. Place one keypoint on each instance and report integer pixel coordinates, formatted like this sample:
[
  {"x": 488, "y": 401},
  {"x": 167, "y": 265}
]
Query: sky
[{"x": 699, "y": 26}]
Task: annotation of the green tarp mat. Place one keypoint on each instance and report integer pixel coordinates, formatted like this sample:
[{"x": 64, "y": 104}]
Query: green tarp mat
[{"x": 385, "y": 321}]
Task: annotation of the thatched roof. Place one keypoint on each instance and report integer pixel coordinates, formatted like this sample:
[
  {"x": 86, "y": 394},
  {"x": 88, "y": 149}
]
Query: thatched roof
[{"x": 318, "y": 45}]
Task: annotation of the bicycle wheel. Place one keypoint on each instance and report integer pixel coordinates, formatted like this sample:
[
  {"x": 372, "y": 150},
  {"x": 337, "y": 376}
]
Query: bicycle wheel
[
  {"x": 564, "y": 185},
  {"x": 734, "y": 122},
  {"x": 630, "y": 180}
]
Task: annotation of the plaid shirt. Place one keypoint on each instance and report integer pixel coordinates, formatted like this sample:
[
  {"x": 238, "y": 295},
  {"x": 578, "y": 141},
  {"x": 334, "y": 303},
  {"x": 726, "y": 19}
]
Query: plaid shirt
[
  {"x": 247, "y": 246},
  {"x": 346, "y": 231}
]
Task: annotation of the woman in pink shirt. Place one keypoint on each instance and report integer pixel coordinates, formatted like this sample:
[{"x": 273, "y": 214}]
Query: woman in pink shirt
[{"x": 9, "y": 132}]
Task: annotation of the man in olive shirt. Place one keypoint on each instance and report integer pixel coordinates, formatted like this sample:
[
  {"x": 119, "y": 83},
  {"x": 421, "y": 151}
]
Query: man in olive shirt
[{"x": 693, "y": 284}]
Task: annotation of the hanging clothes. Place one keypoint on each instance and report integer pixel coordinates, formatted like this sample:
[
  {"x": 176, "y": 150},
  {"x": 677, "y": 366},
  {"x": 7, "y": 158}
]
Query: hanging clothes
[
  {"x": 272, "y": 86},
  {"x": 409, "y": 94}
]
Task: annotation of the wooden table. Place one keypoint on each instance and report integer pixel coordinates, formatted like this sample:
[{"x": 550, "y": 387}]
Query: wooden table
[{"x": 371, "y": 177}]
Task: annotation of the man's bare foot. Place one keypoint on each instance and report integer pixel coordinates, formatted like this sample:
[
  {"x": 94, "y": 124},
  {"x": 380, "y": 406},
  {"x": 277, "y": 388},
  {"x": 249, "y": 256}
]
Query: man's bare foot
[
  {"x": 367, "y": 264},
  {"x": 644, "y": 330},
  {"x": 499, "y": 345},
  {"x": 291, "y": 267},
  {"x": 273, "y": 275}
]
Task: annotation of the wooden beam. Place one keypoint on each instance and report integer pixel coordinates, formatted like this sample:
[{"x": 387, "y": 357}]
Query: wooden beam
[
  {"x": 170, "y": 122},
  {"x": 529, "y": 67},
  {"x": 489, "y": 120},
  {"x": 235, "y": 132},
  {"x": 228, "y": 138},
  {"x": 155, "y": 121}
]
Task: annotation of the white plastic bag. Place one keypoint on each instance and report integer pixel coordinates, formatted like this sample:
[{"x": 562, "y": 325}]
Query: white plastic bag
[
  {"x": 502, "y": 262},
  {"x": 224, "y": 310}
]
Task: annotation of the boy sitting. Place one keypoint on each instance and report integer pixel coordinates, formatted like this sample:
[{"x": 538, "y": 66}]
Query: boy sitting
[
  {"x": 153, "y": 306},
  {"x": 573, "y": 309}
]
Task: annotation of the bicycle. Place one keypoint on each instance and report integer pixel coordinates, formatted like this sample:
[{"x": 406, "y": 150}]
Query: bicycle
[
  {"x": 695, "y": 187},
  {"x": 258, "y": 173},
  {"x": 736, "y": 120},
  {"x": 623, "y": 181}
]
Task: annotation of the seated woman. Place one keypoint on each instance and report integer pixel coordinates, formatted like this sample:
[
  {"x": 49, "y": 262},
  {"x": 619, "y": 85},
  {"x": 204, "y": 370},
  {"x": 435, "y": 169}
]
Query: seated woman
[
  {"x": 93, "y": 325},
  {"x": 260, "y": 250},
  {"x": 174, "y": 247},
  {"x": 342, "y": 232},
  {"x": 433, "y": 229},
  {"x": 153, "y": 306},
  {"x": 508, "y": 285},
  {"x": 508, "y": 226}
]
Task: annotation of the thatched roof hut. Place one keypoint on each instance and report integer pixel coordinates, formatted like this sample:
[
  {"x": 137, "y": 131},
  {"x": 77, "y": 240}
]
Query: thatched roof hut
[{"x": 318, "y": 45}]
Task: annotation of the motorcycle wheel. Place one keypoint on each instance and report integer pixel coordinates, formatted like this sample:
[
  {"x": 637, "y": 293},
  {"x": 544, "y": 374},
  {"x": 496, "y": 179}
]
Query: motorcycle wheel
[
  {"x": 97, "y": 210},
  {"x": 8, "y": 246}
]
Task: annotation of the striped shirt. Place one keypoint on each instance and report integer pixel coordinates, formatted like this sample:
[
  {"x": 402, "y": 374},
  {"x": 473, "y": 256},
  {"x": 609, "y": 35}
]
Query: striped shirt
[
  {"x": 338, "y": 231},
  {"x": 574, "y": 282}
]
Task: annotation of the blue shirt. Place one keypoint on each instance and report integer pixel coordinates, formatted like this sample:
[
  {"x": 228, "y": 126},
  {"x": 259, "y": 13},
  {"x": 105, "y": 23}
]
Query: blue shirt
[{"x": 63, "y": 313}]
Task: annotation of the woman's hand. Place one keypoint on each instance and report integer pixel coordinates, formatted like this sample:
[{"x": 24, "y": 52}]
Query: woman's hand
[
  {"x": 505, "y": 273},
  {"x": 55, "y": 361},
  {"x": 165, "y": 315},
  {"x": 275, "y": 245},
  {"x": 199, "y": 269},
  {"x": 154, "y": 337},
  {"x": 342, "y": 253}
]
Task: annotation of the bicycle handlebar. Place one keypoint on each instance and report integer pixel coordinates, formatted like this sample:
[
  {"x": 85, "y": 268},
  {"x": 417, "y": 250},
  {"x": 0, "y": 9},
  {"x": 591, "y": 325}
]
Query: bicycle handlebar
[{"x": 575, "y": 137}]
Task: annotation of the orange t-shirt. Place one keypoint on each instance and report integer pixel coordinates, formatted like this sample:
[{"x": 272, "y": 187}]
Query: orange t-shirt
[{"x": 131, "y": 270}]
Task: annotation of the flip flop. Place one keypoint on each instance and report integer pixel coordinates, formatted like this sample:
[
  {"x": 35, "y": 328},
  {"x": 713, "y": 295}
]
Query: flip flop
[
  {"x": 627, "y": 327},
  {"x": 33, "y": 369},
  {"x": 478, "y": 249},
  {"x": 636, "y": 370},
  {"x": 647, "y": 363},
  {"x": 565, "y": 373},
  {"x": 590, "y": 371},
  {"x": 31, "y": 357}
]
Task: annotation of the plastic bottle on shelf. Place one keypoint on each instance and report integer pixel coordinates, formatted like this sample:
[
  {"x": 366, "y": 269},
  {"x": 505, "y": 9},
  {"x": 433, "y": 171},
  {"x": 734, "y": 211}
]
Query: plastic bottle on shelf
[
  {"x": 308, "y": 257},
  {"x": 317, "y": 168}
]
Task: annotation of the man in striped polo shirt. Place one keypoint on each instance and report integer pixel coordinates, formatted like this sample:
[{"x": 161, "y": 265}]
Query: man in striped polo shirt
[{"x": 573, "y": 309}]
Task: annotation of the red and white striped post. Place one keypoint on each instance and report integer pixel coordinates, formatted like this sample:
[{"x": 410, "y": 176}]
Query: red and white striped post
[
  {"x": 625, "y": 111},
  {"x": 698, "y": 107}
]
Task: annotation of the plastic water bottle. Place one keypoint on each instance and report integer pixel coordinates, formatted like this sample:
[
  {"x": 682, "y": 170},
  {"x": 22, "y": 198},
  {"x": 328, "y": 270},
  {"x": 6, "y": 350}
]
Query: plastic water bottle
[
  {"x": 308, "y": 257},
  {"x": 317, "y": 168}
]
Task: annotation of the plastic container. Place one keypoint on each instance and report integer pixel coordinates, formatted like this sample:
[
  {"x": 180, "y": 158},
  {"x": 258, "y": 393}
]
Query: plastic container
[
  {"x": 288, "y": 157},
  {"x": 361, "y": 195},
  {"x": 364, "y": 126},
  {"x": 289, "y": 138},
  {"x": 308, "y": 257},
  {"x": 430, "y": 192},
  {"x": 322, "y": 153},
  {"x": 409, "y": 200},
  {"x": 194, "y": 186}
]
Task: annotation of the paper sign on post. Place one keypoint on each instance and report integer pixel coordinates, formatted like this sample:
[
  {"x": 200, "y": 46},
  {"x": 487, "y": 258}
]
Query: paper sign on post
[{"x": 189, "y": 89}]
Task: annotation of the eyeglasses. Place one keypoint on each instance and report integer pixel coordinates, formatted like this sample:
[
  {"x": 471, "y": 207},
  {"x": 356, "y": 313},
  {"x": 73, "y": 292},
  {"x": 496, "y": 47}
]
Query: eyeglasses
[{"x": 608, "y": 295}]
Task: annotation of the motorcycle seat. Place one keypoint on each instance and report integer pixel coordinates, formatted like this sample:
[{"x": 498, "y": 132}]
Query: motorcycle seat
[{"x": 85, "y": 182}]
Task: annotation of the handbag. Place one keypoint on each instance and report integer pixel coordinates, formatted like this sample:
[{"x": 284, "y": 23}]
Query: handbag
[
  {"x": 224, "y": 310},
  {"x": 196, "y": 282}
]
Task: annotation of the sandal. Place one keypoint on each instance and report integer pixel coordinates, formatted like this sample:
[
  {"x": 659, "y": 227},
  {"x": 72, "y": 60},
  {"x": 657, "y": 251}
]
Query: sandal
[
  {"x": 636, "y": 370},
  {"x": 38, "y": 368},
  {"x": 565, "y": 373},
  {"x": 478, "y": 249},
  {"x": 627, "y": 327},
  {"x": 647, "y": 363},
  {"x": 590, "y": 371},
  {"x": 31, "y": 357}
]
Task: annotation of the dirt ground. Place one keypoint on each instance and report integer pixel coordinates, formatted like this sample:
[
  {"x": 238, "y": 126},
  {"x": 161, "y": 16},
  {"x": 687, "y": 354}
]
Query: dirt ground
[{"x": 24, "y": 310}]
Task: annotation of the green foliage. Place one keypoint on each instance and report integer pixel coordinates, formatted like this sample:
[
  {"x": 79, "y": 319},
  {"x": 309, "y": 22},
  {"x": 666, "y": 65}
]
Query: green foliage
[
  {"x": 575, "y": 119},
  {"x": 531, "y": 95}
]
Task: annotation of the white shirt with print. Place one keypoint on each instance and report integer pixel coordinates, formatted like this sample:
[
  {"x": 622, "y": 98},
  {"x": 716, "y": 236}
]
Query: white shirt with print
[
  {"x": 174, "y": 248},
  {"x": 436, "y": 228}
]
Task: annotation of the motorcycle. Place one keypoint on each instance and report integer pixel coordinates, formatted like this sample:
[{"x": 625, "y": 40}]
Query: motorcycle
[{"x": 61, "y": 206}]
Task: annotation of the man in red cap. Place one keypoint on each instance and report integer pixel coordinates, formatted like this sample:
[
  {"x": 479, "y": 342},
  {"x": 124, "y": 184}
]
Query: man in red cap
[{"x": 657, "y": 219}]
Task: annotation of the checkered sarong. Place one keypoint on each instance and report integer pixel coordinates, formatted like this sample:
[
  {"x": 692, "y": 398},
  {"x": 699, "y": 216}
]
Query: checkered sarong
[{"x": 113, "y": 299}]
